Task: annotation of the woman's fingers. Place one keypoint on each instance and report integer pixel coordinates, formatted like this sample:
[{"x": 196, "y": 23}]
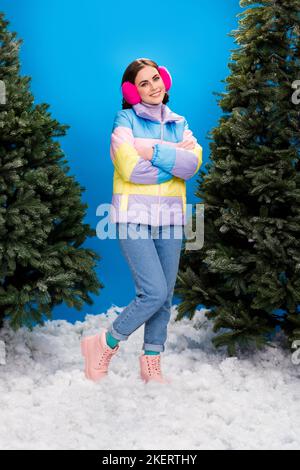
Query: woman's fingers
[{"x": 187, "y": 144}]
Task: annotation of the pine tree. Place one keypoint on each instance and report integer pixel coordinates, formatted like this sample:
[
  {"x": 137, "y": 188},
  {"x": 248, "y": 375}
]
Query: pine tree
[
  {"x": 42, "y": 263},
  {"x": 248, "y": 272}
]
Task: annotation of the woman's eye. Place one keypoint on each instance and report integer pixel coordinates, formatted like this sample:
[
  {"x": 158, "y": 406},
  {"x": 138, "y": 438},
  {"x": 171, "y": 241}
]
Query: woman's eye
[{"x": 156, "y": 78}]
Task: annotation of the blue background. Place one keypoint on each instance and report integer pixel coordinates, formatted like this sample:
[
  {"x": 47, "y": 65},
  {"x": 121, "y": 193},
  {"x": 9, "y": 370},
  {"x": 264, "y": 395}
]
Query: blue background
[{"x": 76, "y": 53}]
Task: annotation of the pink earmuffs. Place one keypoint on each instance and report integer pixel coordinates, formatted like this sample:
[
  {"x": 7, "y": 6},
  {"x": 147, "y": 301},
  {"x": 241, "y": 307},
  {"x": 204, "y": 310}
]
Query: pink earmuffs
[{"x": 130, "y": 91}]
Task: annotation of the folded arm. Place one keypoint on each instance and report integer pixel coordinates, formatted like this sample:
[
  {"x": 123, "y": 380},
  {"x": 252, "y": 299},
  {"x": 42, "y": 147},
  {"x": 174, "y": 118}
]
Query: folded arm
[
  {"x": 130, "y": 166},
  {"x": 178, "y": 161}
]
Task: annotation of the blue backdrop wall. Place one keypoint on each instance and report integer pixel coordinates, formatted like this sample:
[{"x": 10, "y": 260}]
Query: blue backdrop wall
[{"x": 76, "y": 53}]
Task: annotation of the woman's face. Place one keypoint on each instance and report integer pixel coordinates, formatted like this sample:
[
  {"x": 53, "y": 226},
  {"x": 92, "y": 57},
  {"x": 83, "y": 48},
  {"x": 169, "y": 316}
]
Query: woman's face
[{"x": 148, "y": 81}]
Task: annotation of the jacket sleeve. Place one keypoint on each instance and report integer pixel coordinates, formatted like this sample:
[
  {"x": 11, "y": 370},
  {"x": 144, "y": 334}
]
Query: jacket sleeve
[
  {"x": 178, "y": 161},
  {"x": 130, "y": 166}
]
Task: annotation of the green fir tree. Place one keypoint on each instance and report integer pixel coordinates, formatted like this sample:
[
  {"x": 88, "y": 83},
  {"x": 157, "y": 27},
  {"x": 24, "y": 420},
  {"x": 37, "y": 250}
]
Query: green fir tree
[
  {"x": 42, "y": 262},
  {"x": 249, "y": 267}
]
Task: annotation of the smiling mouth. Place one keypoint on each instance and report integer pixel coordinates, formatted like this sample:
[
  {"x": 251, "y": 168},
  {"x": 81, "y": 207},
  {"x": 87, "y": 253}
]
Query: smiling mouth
[{"x": 156, "y": 94}]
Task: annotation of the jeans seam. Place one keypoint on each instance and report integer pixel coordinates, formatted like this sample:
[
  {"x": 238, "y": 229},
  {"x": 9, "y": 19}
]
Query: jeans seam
[{"x": 134, "y": 273}]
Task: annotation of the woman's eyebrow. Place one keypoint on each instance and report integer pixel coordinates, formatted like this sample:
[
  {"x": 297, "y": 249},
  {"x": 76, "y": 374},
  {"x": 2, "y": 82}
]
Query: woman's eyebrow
[{"x": 147, "y": 80}]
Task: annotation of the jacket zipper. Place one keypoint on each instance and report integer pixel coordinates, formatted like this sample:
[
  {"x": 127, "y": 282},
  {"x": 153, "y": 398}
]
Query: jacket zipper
[{"x": 161, "y": 140}]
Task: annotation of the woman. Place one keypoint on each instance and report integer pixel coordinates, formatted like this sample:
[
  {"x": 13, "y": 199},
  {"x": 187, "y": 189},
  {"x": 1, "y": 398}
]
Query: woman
[{"x": 153, "y": 152}]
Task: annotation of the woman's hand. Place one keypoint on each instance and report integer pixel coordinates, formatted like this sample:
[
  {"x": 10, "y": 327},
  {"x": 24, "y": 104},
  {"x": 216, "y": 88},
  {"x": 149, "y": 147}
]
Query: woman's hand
[
  {"x": 186, "y": 144},
  {"x": 145, "y": 152}
]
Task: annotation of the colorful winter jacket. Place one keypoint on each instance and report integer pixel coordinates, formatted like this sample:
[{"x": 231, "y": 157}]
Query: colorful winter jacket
[{"x": 151, "y": 192}]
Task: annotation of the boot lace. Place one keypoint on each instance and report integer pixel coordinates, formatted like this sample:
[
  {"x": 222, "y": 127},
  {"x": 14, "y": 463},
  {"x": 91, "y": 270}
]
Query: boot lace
[
  {"x": 154, "y": 365},
  {"x": 106, "y": 357}
]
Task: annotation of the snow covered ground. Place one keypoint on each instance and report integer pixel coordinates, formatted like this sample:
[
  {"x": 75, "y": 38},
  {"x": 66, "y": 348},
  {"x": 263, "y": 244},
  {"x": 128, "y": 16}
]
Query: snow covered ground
[{"x": 214, "y": 402}]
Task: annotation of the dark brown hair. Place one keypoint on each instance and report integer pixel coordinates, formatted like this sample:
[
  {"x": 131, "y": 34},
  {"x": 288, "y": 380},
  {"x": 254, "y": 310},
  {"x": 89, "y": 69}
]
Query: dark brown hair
[{"x": 132, "y": 71}]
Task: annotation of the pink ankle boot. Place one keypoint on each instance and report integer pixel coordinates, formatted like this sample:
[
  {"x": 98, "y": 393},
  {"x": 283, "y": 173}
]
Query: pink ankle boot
[
  {"x": 150, "y": 369},
  {"x": 97, "y": 355}
]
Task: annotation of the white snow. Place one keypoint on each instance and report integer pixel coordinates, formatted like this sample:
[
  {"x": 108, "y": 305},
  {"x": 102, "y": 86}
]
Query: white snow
[{"x": 214, "y": 402}]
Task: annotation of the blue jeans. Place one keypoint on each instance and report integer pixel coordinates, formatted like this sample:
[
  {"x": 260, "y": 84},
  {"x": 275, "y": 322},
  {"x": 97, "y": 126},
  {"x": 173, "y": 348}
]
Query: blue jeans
[{"x": 154, "y": 263}]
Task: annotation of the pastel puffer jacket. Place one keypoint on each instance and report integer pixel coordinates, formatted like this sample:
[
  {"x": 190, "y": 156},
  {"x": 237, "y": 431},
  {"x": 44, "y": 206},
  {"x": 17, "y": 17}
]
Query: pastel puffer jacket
[{"x": 151, "y": 192}]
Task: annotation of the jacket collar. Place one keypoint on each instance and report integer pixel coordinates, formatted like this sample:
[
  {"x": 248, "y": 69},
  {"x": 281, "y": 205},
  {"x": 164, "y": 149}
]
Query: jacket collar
[{"x": 156, "y": 113}]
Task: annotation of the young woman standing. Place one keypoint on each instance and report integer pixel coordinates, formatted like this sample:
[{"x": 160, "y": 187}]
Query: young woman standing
[{"x": 153, "y": 152}]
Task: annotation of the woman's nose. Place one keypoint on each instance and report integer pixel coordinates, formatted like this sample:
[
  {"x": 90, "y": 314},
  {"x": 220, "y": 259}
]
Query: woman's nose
[{"x": 153, "y": 89}]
